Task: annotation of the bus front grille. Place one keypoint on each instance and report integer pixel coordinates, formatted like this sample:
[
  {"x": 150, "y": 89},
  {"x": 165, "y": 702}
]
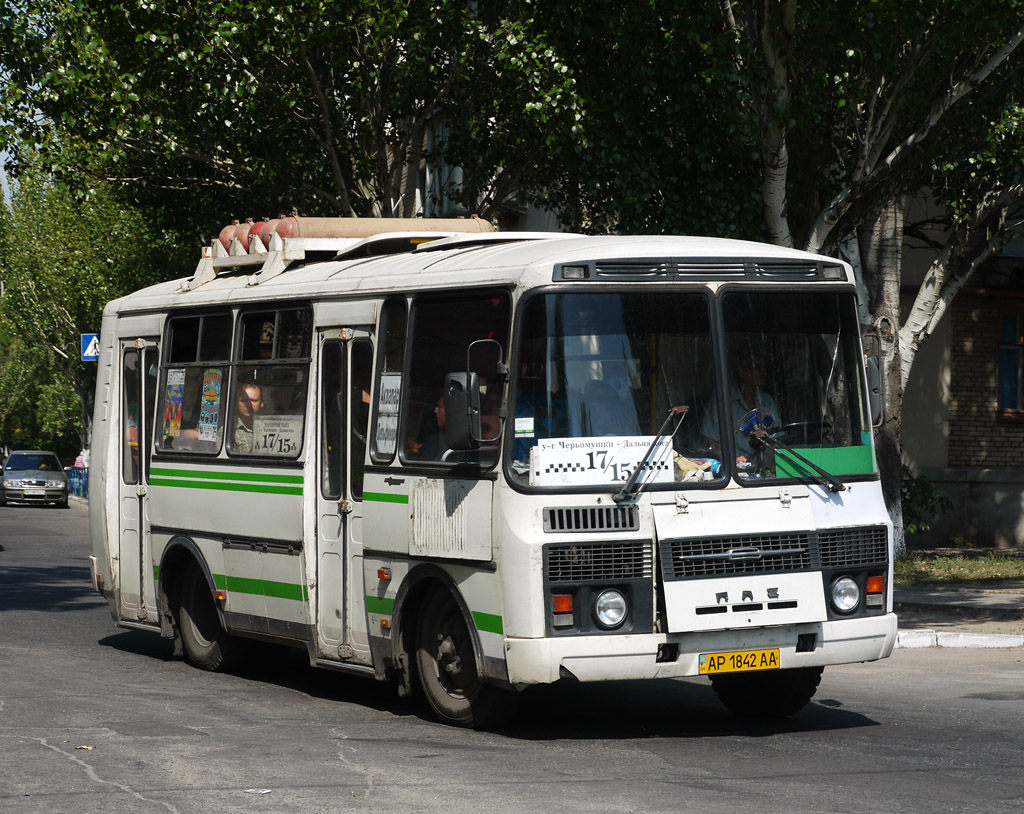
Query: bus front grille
[
  {"x": 590, "y": 562},
  {"x": 590, "y": 518},
  {"x": 772, "y": 553},
  {"x": 841, "y": 548}
]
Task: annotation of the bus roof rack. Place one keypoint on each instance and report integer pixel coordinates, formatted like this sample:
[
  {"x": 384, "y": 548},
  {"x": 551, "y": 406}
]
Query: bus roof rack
[{"x": 271, "y": 247}]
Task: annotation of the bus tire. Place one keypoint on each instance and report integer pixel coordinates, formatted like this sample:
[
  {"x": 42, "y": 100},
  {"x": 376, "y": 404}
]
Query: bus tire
[
  {"x": 206, "y": 644},
  {"x": 447, "y": 666},
  {"x": 774, "y": 694}
]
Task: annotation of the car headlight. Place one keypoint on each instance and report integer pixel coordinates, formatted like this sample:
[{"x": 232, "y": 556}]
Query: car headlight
[
  {"x": 610, "y": 609},
  {"x": 55, "y": 484},
  {"x": 12, "y": 484},
  {"x": 845, "y": 594}
]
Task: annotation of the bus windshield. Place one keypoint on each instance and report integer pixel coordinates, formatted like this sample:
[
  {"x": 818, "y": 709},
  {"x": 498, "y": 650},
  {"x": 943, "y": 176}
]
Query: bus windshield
[
  {"x": 599, "y": 375},
  {"x": 794, "y": 385}
]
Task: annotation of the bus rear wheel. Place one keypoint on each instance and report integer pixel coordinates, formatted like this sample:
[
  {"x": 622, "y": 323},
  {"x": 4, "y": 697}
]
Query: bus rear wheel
[
  {"x": 774, "y": 694},
  {"x": 447, "y": 667},
  {"x": 206, "y": 644}
]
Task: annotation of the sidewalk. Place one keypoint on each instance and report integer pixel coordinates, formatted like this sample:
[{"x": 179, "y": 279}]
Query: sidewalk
[{"x": 958, "y": 617}]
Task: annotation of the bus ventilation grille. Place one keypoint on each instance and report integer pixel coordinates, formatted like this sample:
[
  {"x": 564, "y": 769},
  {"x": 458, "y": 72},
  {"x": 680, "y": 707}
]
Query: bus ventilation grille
[
  {"x": 772, "y": 553},
  {"x": 706, "y": 269},
  {"x": 591, "y": 518},
  {"x": 598, "y": 561}
]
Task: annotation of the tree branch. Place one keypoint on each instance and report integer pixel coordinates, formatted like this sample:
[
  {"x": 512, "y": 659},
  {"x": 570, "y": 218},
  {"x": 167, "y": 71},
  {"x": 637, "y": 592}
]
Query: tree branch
[{"x": 902, "y": 152}]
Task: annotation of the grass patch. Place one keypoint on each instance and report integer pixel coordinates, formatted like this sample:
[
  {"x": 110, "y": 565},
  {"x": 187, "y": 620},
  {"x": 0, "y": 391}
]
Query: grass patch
[{"x": 984, "y": 569}]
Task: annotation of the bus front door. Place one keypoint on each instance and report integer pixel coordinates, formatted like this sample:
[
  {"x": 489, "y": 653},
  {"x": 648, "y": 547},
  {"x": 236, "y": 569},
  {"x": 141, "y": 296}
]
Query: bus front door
[
  {"x": 139, "y": 364},
  {"x": 345, "y": 365}
]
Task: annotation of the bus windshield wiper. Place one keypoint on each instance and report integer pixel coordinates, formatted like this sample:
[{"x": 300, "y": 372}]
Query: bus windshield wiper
[
  {"x": 634, "y": 486},
  {"x": 824, "y": 478}
]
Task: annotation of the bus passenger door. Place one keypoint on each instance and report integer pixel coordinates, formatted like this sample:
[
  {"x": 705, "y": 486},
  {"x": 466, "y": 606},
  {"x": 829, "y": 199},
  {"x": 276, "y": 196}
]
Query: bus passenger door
[
  {"x": 343, "y": 407},
  {"x": 138, "y": 393}
]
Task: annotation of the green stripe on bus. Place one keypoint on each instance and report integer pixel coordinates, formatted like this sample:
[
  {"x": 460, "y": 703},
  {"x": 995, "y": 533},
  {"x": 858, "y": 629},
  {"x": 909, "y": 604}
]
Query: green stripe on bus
[
  {"x": 256, "y": 587},
  {"x": 485, "y": 622},
  {"x": 834, "y": 460},
  {"x": 488, "y": 622},
  {"x": 267, "y": 489},
  {"x": 380, "y": 604},
  {"x": 261, "y": 587},
  {"x": 212, "y": 474},
  {"x": 384, "y": 497}
]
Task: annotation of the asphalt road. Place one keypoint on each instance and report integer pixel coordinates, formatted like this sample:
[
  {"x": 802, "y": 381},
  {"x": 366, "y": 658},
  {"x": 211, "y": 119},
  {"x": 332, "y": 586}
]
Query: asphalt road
[{"x": 97, "y": 719}]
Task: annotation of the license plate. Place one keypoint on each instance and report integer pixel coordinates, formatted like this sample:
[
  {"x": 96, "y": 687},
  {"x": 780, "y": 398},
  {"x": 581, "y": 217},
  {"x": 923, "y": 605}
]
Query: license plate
[
  {"x": 35, "y": 493},
  {"x": 739, "y": 661}
]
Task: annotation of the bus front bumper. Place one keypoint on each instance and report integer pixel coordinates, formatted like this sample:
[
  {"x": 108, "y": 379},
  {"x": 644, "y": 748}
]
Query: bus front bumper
[{"x": 659, "y": 655}]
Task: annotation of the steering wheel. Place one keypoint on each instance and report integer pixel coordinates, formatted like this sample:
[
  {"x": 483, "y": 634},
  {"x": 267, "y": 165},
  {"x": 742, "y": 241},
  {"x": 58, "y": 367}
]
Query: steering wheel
[{"x": 799, "y": 433}]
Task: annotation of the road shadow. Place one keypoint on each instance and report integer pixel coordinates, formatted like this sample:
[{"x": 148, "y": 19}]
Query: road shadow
[
  {"x": 662, "y": 708},
  {"x": 51, "y": 588},
  {"x": 276, "y": 665},
  {"x": 140, "y": 643}
]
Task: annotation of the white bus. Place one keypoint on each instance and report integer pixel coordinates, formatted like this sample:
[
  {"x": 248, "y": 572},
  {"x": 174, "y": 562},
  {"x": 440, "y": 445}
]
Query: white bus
[{"x": 469, "y": 462}]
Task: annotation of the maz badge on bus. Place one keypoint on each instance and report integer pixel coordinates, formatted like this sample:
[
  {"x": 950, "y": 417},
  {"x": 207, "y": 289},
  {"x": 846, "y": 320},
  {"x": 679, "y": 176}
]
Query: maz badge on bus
[{"x": 593, "y": 461}]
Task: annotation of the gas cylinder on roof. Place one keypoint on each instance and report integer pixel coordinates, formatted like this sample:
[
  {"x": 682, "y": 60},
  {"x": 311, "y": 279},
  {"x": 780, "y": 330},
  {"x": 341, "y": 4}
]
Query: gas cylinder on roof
[
  {"x": 269, "y": 229},
  {"x": 226, "y": 234},
  {"x": 242, "y": 233},
  {"x": 257, "y": 232}
]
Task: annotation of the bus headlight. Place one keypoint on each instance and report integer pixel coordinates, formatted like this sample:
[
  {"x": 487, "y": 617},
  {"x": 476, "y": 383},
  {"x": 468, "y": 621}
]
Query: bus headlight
[
  {"x": 845, "y": 595},
  {"x": 610, "y": 609}
]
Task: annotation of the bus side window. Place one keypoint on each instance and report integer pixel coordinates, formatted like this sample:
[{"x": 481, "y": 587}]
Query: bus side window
[
  {"x": 191, "y": 417},
  {"x": 129, "y": 417},
  {"x": 391, "y": 360},
  {"x": 359, "y": 410},
  {"x": 267, "y": 409},
  {"x": 443, "y": 328}
]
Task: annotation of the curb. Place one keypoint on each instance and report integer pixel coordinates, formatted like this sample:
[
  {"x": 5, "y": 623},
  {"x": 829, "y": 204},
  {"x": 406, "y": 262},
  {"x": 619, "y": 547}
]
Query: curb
[{"x": 913, "y": 639}]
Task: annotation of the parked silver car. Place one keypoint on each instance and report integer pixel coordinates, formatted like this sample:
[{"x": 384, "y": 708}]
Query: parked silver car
[{"x": 33, "y": 476}]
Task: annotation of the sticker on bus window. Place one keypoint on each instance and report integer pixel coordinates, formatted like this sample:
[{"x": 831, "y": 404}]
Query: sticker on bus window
[
  {"x": 593, "y": 461},
  {"x": 172, "y": 402},
  {"x": 386, "y": 438},
  {"x": 209, "y": 411},
  {"x": 524, "y": 427},
  {"x": 386, "y": 433},
  {"x": 277, "y": 434},
  {"x": 390, "y": 390}
]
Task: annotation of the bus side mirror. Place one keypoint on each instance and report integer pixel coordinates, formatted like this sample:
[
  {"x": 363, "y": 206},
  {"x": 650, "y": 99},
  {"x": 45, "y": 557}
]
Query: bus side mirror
[
  {"x": 462, "y": 410},
  {"x": 876, "y": 394},
  {"x": 872, "y": 344}
]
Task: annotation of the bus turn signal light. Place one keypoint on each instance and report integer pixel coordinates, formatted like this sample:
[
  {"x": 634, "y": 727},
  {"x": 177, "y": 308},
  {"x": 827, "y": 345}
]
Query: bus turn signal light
[
  {"x": 220, "y": 595},
  {"x": 876, "y": 585},
  {"x": 561, "y": 606}
]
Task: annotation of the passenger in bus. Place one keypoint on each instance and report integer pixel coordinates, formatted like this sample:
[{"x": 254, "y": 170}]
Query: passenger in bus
[
  {"x": 607, "y": 411},
  {"x": 746, "y": 395},
  {"x": 249, "y": 402},
  {"x": 431, "y": 444}
]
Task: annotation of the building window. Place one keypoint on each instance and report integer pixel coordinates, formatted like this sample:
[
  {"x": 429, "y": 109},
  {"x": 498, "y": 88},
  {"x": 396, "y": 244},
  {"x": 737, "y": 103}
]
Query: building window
[{"x": 1011, "y": 363}]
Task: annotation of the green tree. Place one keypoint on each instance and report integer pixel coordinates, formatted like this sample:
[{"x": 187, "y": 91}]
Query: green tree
[
  {"x": 227, "y": 105},
  {"x": 807, "y": 125},
  {"x": 65, "y": 254}
]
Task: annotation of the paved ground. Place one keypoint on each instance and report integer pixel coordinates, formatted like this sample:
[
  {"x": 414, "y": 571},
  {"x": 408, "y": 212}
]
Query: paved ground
[{"x": 994, "y": 609}]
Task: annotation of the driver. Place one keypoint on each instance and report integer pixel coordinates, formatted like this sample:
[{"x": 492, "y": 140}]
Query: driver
[{"x": 746, "y": 395}]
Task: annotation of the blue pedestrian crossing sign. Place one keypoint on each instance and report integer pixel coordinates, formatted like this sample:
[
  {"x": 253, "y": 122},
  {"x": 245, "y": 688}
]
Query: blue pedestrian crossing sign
[{"x": 90, "y": 347}]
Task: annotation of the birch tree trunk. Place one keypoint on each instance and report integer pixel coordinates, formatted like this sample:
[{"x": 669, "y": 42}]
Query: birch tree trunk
[{"x": 881, "y": 245}]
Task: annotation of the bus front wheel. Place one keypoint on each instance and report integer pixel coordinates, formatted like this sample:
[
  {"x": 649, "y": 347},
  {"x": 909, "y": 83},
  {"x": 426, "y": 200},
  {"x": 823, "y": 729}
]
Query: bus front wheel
[
  {"x": 773, "y": 694},
  {"x": 447, "y": 667},
  {"x": 206, "y": 644}
]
